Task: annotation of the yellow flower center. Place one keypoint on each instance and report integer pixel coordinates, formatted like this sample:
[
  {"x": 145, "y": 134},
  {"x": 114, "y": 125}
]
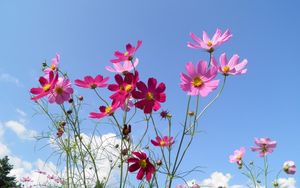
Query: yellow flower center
[
  {"x": 209, "y": 43},
  {"x": 162, "y": 143},
  {"x": 59, "y": 90},
  {"x": 197, "y": 82},
  {"x": 239, "y": 157},
  {"x": 143, "y": 163},
  {"x": 126, "y": 53},
  {"x": 108, "y": 109},
  {"x": 53, "y": 67},
  {"x": 127, "y": 88},
  {"x": 149, "y": 96},
  {"x": 46, "y": 87},
  {"x": 226, "y": 69}
]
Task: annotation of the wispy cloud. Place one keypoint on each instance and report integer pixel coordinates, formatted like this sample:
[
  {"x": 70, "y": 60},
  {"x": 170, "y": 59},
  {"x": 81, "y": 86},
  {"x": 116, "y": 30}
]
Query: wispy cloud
[
  {"x": 21, "y": 131},
  {"x": 21, "y": 112},
  {"x": 5, "y": 77}
]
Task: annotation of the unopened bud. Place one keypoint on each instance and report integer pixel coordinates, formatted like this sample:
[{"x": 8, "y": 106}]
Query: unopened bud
[
  {"x": 71, "y": 100},
  {"x": 80, "y": 98},
  {"x": 159, "y": 162},
  {"x": 69, "y": 111},
  {"x": 191, "y": 113}
]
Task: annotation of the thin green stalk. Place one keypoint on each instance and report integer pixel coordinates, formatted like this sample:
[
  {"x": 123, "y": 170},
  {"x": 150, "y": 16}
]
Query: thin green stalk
[
  {"x": 181, "y": 140},
  {"x": 266, "y": 170},
  {"x": 192, "y": 135},
  {"x": 251, "y": 174}
]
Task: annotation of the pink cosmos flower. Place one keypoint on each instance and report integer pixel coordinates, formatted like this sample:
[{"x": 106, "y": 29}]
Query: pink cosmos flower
[
  {"x": 231, "y": 67},
  {"x": 128, "y": 55},
  {"x": 41, "y": 172},
  {"x": 207, "y": 43},
  {"x": 199, "y": 80},
  {"x": 142, "y": 163},
  {"x": 123, "y": 87},
  {"x": 123, "y": 68},
  {"x": 26, "y": 179},
  {"x": 162, "y": 142},
  {"x": 265, "y": 146},
  {"x": 92, "y": 83},
  {"x": 237, "y": 156},
  {"x": 61, "y": 92},
  {"x": 289, "y": 167},
  {"x": 47, "y": 86},
  {"x": 104, "y": 111},
  {"x": 149, "y": 97},
  {"x": 54, "y": 64}
]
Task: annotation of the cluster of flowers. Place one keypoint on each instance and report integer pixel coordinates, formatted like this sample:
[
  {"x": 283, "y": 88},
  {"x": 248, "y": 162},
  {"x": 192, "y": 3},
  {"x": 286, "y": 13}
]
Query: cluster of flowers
[
  {"x": 264, "y": 146},
  {"x": 129, "y": 91},
  {"x": 48, "y": 180}
]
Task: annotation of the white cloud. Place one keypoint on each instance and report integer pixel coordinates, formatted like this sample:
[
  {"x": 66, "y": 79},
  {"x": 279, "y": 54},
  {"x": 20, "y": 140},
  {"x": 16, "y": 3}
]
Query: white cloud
[
  {"x": 287, "y": 182},
  {"x": 21, "y": 112},
  {"x": 217, "y": 179},
  {"x": 20, "y": 130},
  {"x": 5, "y": 77}
]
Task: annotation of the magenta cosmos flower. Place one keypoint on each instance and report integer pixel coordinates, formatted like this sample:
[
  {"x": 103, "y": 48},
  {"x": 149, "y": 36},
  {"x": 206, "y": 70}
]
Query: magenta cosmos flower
[
  {"x": 162, "y": 142},
  {"x": 104, "y": 111},
  {"x": 128, "y": 55},
  {"x": 289, "y": 167},
  {"x": 207, "y": 43},
  {"x": 149, "y": 96},
  {"x": 199, "y": 79},
  {"x": 47, "y": 84},
  {"x": 54, "y": 64},
  {"x": 141, "y": 162},
  {"x": 265, "y": 146},
  {"x": 237, "y": 156},
  {"x": 61, "y": 92},
  {"x": 92, "y": 83},
  {"x": 123, "y": 87},
  {"x": 124, "y": 68},
  {"x": 231, "y": 67}
]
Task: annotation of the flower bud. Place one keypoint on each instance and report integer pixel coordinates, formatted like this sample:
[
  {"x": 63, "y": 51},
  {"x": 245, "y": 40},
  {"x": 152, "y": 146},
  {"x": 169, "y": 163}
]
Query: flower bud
[
  {"x": 289, "y": 167},
  {"x": 71, "y": 100},
  {"x": 80, "y": 98},
  {"x": 158, "y": 162}
]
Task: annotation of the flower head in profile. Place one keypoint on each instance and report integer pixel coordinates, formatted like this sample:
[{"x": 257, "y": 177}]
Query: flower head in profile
[
  {"x": 150, "y": 96},
  {"x": 289, "y": 167},
  {"x": 163, "y": 142},
  {"x": 54, "y": 64},
  {"x": 264, "y": 146},
  {"x": 199, "y": 79},
  {"x": 104, "y": 111},
  {"x": 231, "y": 67},
  {"x": 209, "y": 44},
  {"x": 237, "y": 156},
  {"x": 128, "y": 55},
  {"x": 141, "y": 162},
  {"x": 92, "y": 83},
  {"x": 62, "y": 91},
  {"x": 26, "y": 179},
  {"x": 124, "y": 68},
  {"x": 123, "y": 88},
  {"x": 48, "y": 83}
]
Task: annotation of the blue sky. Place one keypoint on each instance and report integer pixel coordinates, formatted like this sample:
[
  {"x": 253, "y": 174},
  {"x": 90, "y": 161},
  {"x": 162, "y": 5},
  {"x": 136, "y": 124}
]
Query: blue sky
[{"x": 262, "y": 103}]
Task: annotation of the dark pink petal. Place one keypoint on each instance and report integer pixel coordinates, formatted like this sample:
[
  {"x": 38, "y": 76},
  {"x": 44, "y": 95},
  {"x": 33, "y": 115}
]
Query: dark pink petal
[
  {"x": 138, "y": 95},
  {"x": 140, "y": 174},
  {"x": 36, "y": 91},
  {"x": 155, "y": 143},
  {"x": 134, "y": 167},
  {"x": 89, "y": 79},
  {"x": 81, "y": 83},
  {"x": 119, "y": 79},
  {"x": 142, "y": 86},
  {"x": 43, "y": 81},
  {"x": 161, "y": 88},
  {"x": 152, "y": 84},
  {"x": 133, "y": 160}
]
